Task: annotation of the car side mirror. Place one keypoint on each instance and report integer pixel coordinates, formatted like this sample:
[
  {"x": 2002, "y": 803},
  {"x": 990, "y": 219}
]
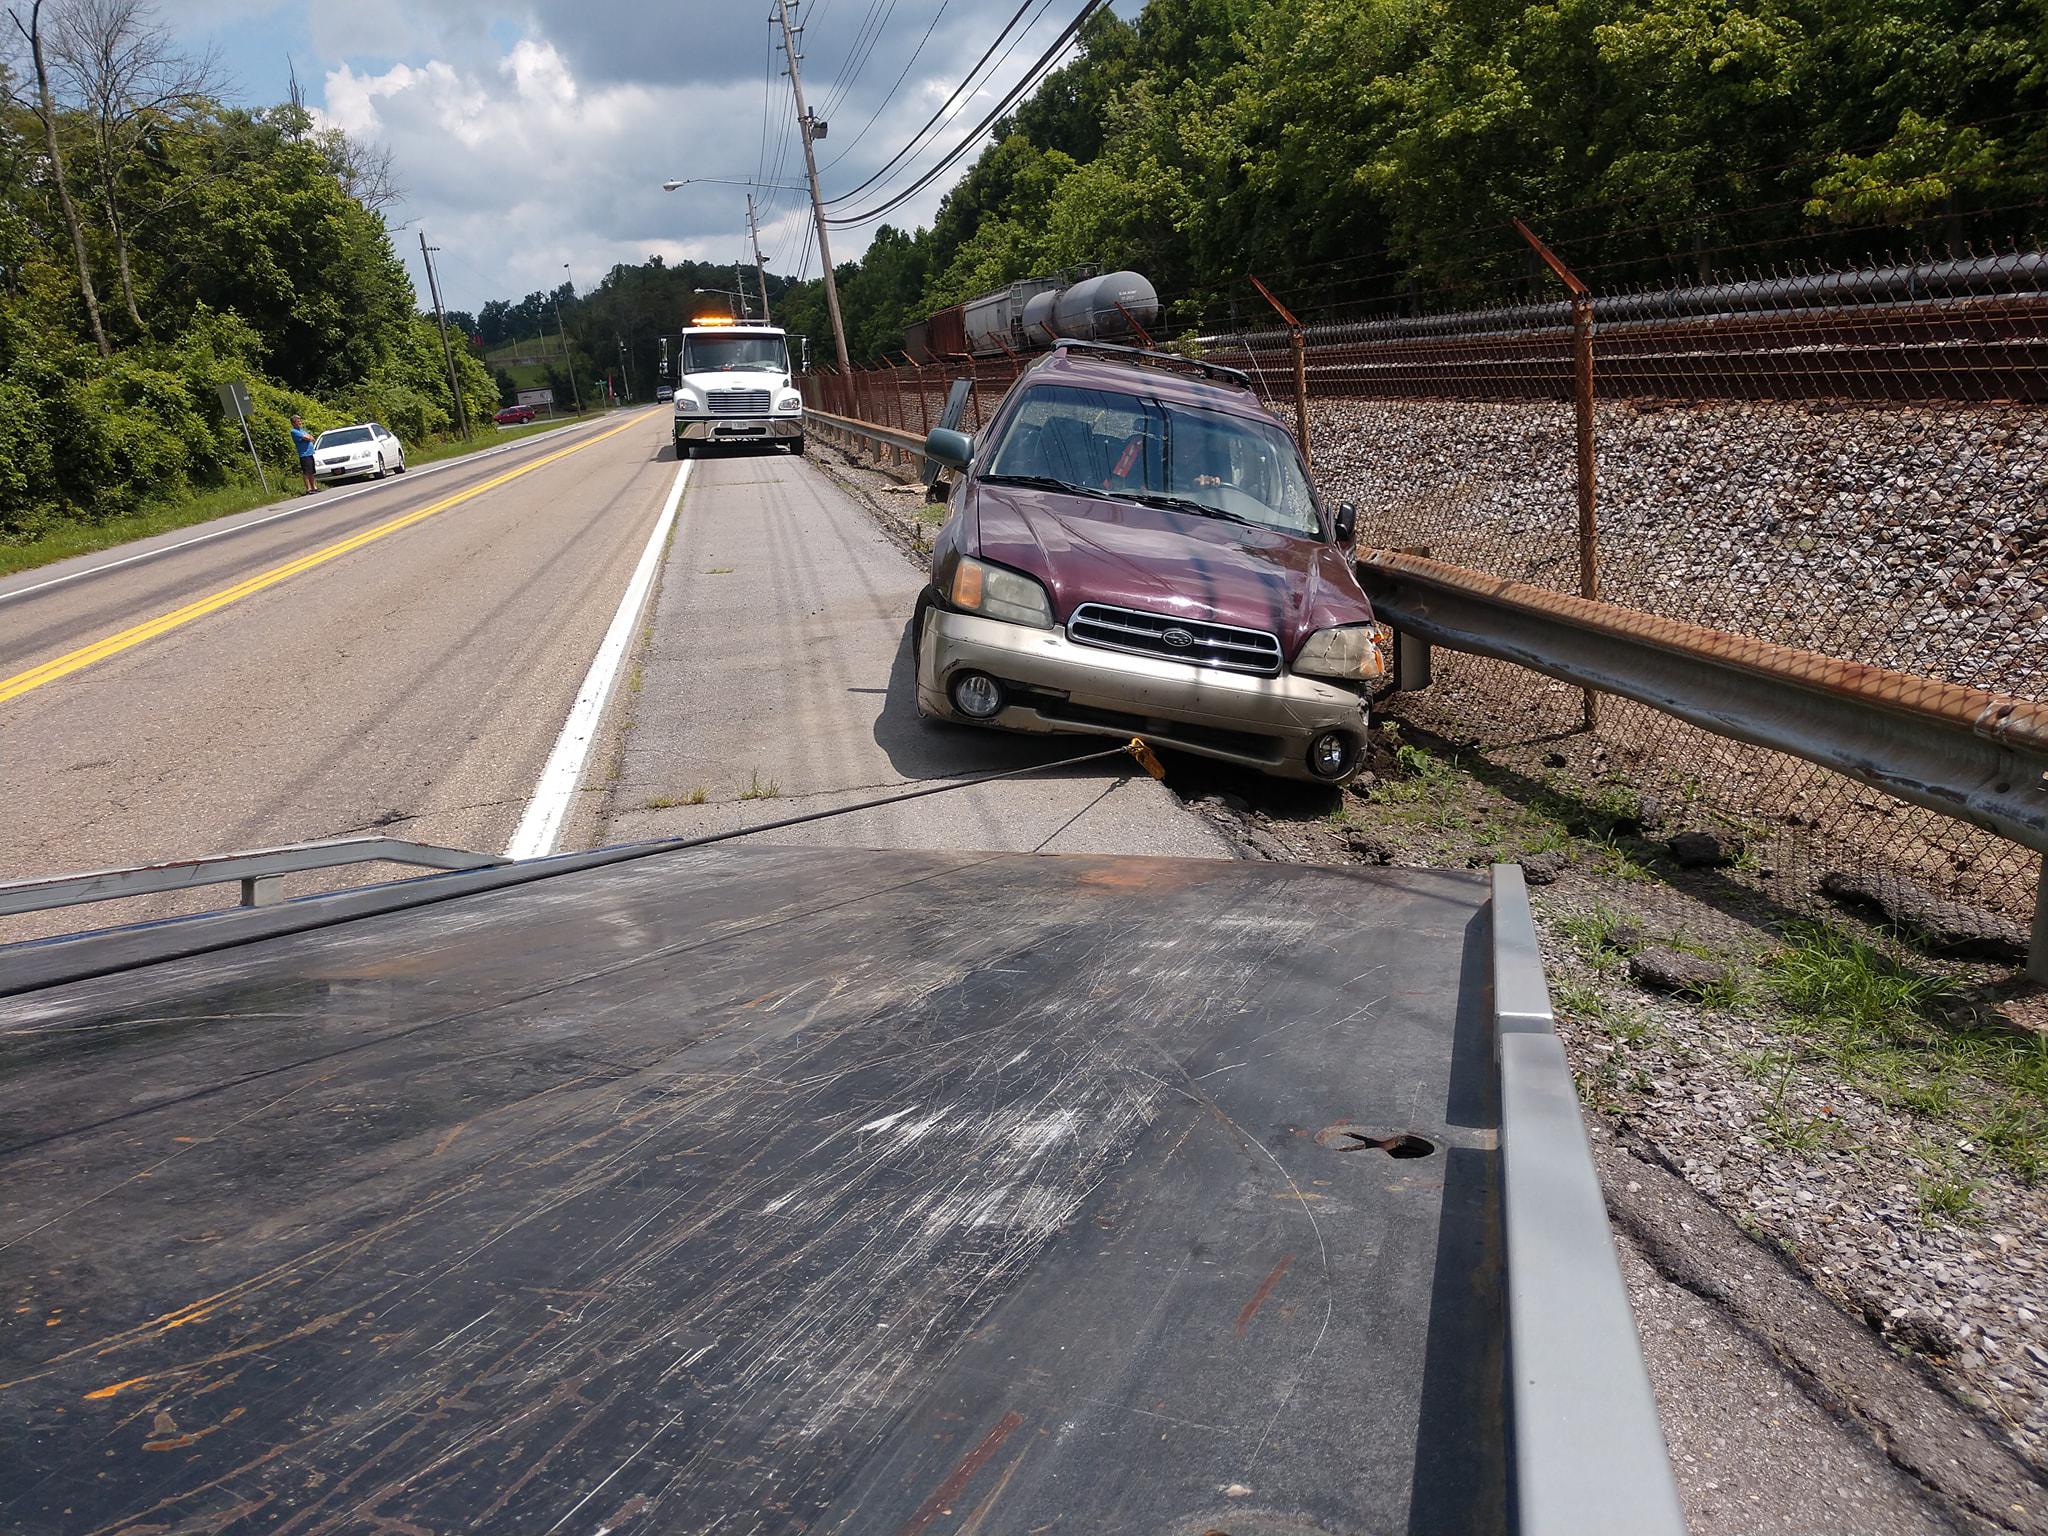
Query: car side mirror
[
  {"x": 945, "y": 446},
  {"x": 1347, "y": 521}
]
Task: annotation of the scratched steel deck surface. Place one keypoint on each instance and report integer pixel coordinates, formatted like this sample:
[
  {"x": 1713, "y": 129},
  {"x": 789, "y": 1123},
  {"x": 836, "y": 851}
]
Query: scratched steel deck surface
[{"x": 755, "y": 1189}]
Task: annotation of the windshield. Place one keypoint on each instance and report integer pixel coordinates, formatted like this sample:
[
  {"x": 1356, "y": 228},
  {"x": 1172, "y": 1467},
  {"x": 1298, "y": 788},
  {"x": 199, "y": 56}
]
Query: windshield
[
  {"x": 341, "y": 436},
  {"x": 727, "y": 354},
  {"x": 1128, "y": 446}
]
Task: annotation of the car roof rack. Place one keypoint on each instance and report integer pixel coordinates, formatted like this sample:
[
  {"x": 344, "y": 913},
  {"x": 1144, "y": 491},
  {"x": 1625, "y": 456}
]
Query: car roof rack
[{"x": 1235, "y": 376}]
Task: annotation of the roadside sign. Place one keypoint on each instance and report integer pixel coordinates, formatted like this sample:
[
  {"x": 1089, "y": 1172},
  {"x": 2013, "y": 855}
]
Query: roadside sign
[
  {"x": 234, "y": 399},
  {"x": 536, "y": 397}
]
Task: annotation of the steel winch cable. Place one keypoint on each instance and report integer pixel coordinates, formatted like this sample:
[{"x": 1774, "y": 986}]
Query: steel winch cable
[{"x": 1135, "y": 747}]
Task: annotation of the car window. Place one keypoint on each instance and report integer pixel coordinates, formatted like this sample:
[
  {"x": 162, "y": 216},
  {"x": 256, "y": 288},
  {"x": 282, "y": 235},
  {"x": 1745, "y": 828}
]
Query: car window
[
  {"x": 1132, "y": 445},
  {"x": 724, "y": 354},
  {"x": 342, "y": 436}
]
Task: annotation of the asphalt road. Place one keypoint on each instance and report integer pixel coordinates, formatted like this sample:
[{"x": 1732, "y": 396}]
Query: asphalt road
[
  {"x": 775, "y": 681},
  {"x": 321, "y": 673},
  {"x": 402, "y": 657}
]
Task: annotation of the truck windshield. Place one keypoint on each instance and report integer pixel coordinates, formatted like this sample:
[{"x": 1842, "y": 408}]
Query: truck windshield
[
  {"x": 1129, "y": 446},
  {"x": 726, "y": 354}
]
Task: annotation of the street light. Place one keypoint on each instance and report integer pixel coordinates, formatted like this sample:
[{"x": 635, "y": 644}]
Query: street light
[
  {"x": 675, "y": 184},
  {"x": 730, "y": 293}
]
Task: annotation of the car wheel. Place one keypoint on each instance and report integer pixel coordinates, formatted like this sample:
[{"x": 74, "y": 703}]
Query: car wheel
[{"x": 379, "y": 472}]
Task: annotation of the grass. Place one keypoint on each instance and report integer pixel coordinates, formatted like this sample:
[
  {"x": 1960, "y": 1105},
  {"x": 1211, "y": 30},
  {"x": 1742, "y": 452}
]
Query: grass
[
  {"x": 696, "y": 796},
  {"x": 219, "y": 501},
  {"x": 1908, "y": 1039},
  {"x": 756, "y": 790}
]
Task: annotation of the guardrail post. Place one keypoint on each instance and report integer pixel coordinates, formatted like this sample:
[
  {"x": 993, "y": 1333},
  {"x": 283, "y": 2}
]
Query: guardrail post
[
  {"x": 261, "y": 891},
  {"x": 2037, "y": 951}
]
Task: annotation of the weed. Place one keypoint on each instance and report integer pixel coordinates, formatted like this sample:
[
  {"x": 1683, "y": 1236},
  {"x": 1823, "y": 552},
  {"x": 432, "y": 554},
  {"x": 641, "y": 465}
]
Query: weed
[
  {"x": 1832, "y": 981},
  {"x": 1948, "y": 1198},
  {"x": 719, "y": 570},
  {"x": 1610, "y": 856},
  {"x": 1576, "y": 1001},
  {"x": 1600, "y": 933},
  {"x": 756, "y": 790}
]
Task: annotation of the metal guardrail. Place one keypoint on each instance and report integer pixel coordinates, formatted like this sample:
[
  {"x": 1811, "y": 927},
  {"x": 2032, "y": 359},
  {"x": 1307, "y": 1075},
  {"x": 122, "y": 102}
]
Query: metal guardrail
[
  {"x": 911, "y": 443},
  {"x": 1977, "y": 756},
  {"x": 258, "y": 871}
]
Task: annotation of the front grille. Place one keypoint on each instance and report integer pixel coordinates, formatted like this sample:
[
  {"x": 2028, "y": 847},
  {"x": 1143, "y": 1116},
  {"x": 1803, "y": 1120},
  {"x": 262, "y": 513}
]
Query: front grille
[
  {"x": 738, "y": 402},
  {"x": 1197, "y": 643}
]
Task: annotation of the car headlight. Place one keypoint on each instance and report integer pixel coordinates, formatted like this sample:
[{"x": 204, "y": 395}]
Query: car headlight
[
  {"x": 790, "y": 403},
  {"x": 995, "y": 592},
  {"x": 1350, "y": 650}
]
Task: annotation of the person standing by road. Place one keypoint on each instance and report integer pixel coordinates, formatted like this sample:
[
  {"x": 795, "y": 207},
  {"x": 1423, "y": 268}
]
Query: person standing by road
[{"x": 302, "y": 445}]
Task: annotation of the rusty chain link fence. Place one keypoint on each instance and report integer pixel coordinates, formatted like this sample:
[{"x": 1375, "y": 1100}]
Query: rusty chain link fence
[{"x": 1851, "y": 460}]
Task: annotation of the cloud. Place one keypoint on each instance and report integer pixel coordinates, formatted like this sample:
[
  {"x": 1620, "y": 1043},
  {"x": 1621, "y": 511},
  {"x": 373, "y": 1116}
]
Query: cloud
[{"x": 528, "y": 133}]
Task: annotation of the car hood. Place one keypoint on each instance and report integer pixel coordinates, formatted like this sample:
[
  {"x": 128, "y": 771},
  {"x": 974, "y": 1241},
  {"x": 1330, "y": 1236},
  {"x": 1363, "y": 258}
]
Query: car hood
[{"x": 1093, "y": 551}]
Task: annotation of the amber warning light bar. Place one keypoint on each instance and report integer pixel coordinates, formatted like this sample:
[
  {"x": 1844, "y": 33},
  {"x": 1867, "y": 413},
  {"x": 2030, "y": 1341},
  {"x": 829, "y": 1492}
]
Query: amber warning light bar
[{"x": 713, "y": 320}]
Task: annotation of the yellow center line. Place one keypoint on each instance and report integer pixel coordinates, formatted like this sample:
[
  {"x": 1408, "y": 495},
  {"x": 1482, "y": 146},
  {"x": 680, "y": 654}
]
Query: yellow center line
[{"x": 112, "y": 645}]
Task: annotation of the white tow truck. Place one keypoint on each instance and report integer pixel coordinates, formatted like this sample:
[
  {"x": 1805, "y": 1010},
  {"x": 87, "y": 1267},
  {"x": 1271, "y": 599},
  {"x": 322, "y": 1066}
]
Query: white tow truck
[{"x": 735, "y": 386}]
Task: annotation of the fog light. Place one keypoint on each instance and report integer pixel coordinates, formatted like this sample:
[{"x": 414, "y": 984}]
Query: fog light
[
  {"x": 1329, "y": 755},
  {"x": 977, "y": 695}
]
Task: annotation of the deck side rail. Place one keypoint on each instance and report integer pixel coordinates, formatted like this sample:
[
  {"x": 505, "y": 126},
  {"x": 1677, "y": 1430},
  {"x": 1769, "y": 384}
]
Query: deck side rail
[{"x": 258, "y": 870}]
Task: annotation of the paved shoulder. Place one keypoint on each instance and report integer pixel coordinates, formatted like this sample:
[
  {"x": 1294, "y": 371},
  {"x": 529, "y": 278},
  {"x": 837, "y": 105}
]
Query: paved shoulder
[{"x": 775, "y": 680}]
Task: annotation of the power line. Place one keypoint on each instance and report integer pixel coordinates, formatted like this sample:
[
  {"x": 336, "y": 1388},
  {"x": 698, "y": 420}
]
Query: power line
[
  {"x": 1030, "y": 80},
  {"x": 864, "y": 41},
  {"x": 890, "y": 96},
  {"x": 965, "y": 82}
]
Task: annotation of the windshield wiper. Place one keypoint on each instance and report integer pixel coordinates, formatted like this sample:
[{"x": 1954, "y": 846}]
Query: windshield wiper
[
  {"x": 1047, "y": 483},
  {"x": 1183, "y": 504}
]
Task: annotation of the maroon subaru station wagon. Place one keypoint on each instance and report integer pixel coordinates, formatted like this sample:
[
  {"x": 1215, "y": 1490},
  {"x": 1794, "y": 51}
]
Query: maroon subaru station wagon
[{"x": 1133, "y": 548}]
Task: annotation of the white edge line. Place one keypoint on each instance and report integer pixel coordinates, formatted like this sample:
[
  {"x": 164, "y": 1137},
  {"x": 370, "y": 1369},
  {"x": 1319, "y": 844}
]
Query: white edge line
[
  {"x": 549, "y": 807},
  {"x": 295, "y": 510}
]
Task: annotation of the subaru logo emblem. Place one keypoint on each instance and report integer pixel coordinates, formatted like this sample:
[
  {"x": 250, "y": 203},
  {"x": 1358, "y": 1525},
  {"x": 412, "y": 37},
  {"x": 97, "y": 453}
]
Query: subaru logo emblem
[{"x": 1177, "y": 638}]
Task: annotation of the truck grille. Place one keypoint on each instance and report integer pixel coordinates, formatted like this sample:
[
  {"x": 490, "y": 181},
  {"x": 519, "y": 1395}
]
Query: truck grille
[
  {"x": 738, "y": 402},
  {"x": 1175, "y": 639}
]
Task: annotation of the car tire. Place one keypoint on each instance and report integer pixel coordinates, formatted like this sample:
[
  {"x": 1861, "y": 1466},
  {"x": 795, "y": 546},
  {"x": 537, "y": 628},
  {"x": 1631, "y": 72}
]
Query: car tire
[
  {"x": 379, "y": 472},
  {"x": 918, "y": 615}
]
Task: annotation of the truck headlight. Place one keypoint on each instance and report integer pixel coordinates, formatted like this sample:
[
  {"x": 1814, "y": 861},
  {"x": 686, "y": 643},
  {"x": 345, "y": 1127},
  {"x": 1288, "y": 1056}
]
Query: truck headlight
[
  {"x": 996, "y": 592},
  {"x": 790, "y": 403},
  {"x": 1346, "y": 651}
]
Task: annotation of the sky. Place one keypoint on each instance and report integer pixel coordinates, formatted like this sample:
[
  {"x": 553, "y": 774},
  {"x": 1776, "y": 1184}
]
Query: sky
[{"x": 532, "y": 133}]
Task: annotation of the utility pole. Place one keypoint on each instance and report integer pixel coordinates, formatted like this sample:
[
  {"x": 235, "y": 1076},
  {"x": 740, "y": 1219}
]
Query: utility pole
[
  {"x": 575, "y": 391},
  {"x": 810, "y": 128},
  {"x": 760, "y": 269},
  {"x": 739, "y": 283},
  {"x": 447, "y": 353}
]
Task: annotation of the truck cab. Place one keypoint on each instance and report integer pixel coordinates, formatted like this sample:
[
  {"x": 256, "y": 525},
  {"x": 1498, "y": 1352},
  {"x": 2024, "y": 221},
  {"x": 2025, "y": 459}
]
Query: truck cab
[{"x": 735, "y": 386}]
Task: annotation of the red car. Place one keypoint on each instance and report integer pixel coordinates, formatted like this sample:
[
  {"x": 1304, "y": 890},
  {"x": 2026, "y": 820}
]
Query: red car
[
  {"x": 513, "y": 415},
  {"x": 1134, "y": 548}
]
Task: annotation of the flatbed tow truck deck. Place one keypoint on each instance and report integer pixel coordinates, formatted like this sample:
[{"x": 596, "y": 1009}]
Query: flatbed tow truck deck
[{"x": 771, "y": 1189}]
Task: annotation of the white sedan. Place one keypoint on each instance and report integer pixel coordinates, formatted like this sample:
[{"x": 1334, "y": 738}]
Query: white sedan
[{"x": 368, "y": 448}]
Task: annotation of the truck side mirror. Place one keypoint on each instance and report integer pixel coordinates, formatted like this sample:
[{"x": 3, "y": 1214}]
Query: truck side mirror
[
  {"x": 944, "y": 446},
  {"x": 1347, "y": 522}
]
